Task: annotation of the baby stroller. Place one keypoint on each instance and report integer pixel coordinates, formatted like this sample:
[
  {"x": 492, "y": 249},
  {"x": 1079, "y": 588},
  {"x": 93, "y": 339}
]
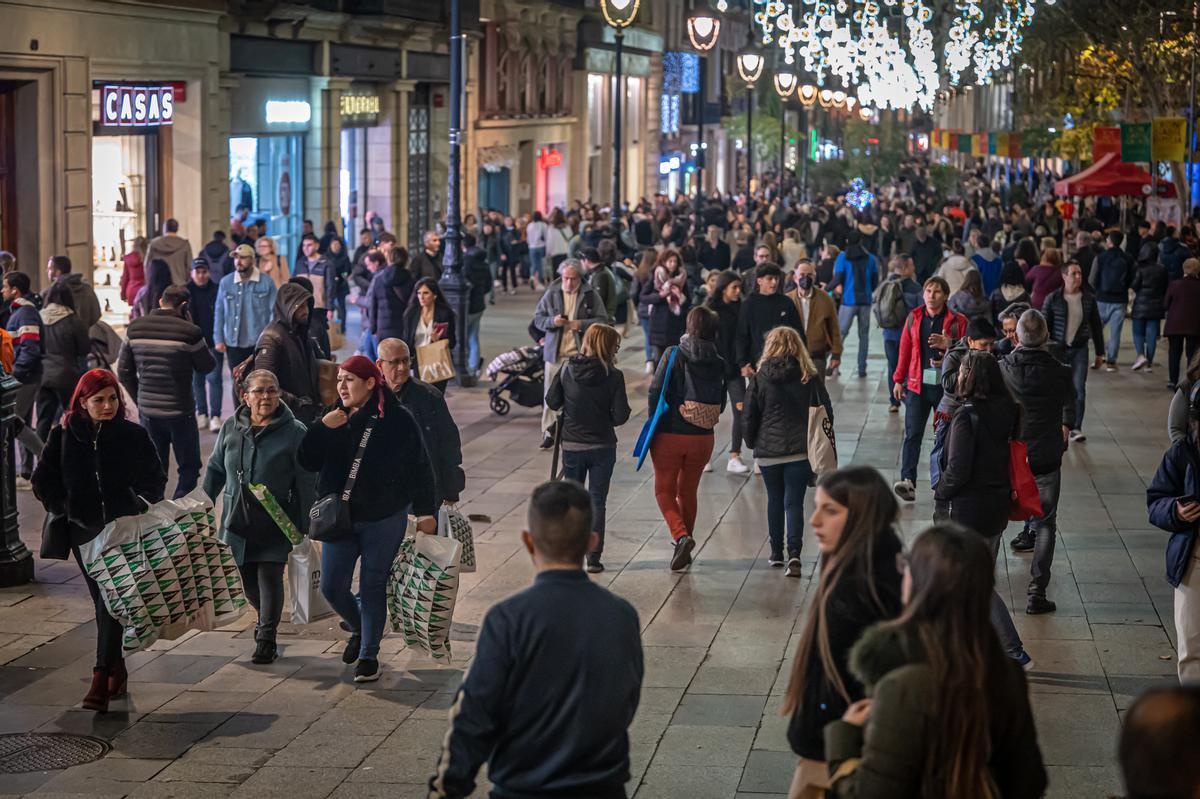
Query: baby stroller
[{"x": 520, "y": 373}]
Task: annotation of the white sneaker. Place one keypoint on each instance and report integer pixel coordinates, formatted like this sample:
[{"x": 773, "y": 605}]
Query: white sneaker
[
  {"x": 1139, "y": 363},
  {"x": 1149, "y": 370},
  {"x": 214, "y": 424},
  {"x": 1078, "y": 436},
  {"x": 708, "y": 467},
  {"x": 649, "y": 367},
  {"x": 736, "y": 466},
  {"x": 201, "y": 421},
  {"x": 23, "y": 484}
]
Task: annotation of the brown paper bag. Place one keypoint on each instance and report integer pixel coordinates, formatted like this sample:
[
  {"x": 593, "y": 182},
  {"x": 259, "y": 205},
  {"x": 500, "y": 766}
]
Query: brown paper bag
[
  {"x": 434, "y": 364},
  {"x": 327, "y": 381}
]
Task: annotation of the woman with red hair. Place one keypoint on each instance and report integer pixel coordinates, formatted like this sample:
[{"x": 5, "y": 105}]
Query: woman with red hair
[{"x": 97, "y": 466}]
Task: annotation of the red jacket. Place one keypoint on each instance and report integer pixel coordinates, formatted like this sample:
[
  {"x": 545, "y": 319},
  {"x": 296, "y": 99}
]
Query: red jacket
[{"x": 908, "y": 365}]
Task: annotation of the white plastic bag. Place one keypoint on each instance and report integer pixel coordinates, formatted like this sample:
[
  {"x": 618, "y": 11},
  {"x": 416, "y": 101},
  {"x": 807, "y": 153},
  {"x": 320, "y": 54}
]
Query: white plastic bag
[
  {"x": 422, "y": 591},
  {"x": 304, "y": 583},
  {"x": 452, "y": 524}
]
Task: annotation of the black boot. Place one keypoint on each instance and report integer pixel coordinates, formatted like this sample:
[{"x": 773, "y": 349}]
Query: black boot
[
  {"x": 1023, "y": 541},
  {"x": 264, "y": 652}
]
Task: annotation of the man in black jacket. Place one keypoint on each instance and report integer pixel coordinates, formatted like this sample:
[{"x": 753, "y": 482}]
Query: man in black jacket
[
  {"x": 202, "y": 302},
  {"x": 479, "y": 275},
  {"x": 714, "y": 252},
  {"x": 517, "y": 705},
  {"x": 1043, "y": 387},
  {"x": 162, "y": 351},
  {"x": 287, "y": 350},
  {"x": 762, "y": 312},
  {"x": 1112, "y": 277},
  {"x": 1072, "y": 317}
]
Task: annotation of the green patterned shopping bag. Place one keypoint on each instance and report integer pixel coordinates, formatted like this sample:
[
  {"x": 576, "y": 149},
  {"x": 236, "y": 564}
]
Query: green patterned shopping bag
[{"x": 422, "y": 591}]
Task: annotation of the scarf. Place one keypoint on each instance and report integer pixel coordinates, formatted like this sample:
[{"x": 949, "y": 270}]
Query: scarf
[{"x": 670, "y": 288}]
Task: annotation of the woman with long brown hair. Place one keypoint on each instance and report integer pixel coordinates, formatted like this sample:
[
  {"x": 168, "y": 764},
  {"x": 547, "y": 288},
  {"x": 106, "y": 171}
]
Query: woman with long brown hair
[
  {"x": 854, "y": 519},
  {"x": 949, "y": 714},
  {"x": 668, "y": 298}
]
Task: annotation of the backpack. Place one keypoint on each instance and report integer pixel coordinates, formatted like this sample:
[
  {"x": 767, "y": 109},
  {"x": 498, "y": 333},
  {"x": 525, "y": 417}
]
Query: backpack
[{"x": 890, "y": 307}]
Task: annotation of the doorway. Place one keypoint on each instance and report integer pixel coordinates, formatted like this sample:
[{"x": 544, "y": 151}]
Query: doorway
[{"x": 8, "y": 166}]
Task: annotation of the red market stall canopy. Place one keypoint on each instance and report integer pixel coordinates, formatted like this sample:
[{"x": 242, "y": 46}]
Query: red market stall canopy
[{"x": 1108, "y": 177}]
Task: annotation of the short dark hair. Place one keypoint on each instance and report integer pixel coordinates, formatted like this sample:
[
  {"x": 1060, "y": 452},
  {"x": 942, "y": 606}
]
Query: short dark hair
[
  {"x": 174, "y": 296},
  {"x": 218, "y": 235},
  {"x": 768, "y": 270},
  {"x": 1157, "y": 750},
  {"x": 468, "y": 240},
  {"x": 1116, "y": 237},
  {"x": 385, "y": 238},
  {"x": 375, "y": 256},
  {"x": 937, "y": 281},
  {"x": 18, "y": 281},
  {"x": 607, "y": 250},
  {"x": 560, "y": 520},
  {"x": 365, "y": 232},
  {"x": 172, "y": 225},
  {"x": 309, "y": 237},
  {"x": 60, "y": 294},
  {"x": 61, "y": 263},
  {"x": 702, "y": 323},
  {"x": 979, "y": 328}
]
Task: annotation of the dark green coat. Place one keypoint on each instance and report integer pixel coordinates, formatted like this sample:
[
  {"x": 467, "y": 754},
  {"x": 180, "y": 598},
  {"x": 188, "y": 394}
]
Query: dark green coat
[
  {"x": 892, "y": 744},
  {"x": 268, "y": 457}
]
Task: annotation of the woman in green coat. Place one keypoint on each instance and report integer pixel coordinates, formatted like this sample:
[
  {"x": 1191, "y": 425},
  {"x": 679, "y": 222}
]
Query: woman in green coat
[{"x": 258, "y": 444}]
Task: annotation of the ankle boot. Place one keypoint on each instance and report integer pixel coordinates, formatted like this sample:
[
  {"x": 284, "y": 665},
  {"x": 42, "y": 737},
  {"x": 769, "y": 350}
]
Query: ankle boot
[
  {"x": 97, "y": 697},
  {"x": 117, "y": 679}
]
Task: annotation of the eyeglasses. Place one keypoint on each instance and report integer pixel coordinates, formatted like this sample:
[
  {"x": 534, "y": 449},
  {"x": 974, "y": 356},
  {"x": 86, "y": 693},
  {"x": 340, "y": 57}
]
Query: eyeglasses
[
  {"x": 399, "y": 361},
  {"x": 269, "y": 391}
]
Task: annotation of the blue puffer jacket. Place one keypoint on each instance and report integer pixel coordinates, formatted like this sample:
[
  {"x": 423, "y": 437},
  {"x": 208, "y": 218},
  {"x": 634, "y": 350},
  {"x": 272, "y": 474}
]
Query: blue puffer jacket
[{"x": 1175, "y": 479}]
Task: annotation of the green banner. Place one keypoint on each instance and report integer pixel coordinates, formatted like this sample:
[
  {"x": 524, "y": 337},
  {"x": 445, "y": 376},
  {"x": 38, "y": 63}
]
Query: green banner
[
  {"x": 1036, "y": 141},
  {"x": 993, "y": 142},
  {"x": 1135, "y": 142},
  {"x": 964, "y": 142}
]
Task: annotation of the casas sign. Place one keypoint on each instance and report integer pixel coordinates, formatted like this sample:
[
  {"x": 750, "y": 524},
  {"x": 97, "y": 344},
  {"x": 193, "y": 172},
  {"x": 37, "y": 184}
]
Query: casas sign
[{"x": 137, "y": 106}]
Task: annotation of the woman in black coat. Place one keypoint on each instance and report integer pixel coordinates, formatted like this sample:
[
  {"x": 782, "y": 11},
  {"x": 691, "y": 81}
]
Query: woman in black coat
[
  {"x": 590, "y": 392},
  {"x": 1149, "y": 305},
  {"x": 67, "y": 345},
  {"x": 778, "y": 399},
  {"x": 97, "y": 466},
  {"x": 427, "y": 319},
  {"x": 668, "y": 297},
  {"x": 974, "y": 476},
  {"x": 726, "y": 300}
]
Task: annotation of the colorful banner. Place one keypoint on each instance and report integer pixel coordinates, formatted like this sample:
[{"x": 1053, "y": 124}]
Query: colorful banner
[
  {"x": 965, "y": 142},
  {"x": 1168, "y": 139},
  {"x": 953, "y": 143},
  {"x": 992, "y": 138},
  {"x": 1135, "y": 142},
  {"x": 1002, "y": 143},
  {"x": 1105, "y": 141},
  {"x": 1014, "y": 145}
]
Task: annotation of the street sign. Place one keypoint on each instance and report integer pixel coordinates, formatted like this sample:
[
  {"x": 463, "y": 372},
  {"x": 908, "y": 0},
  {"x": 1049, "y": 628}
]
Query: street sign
[{"x": 1135, "y": 142}]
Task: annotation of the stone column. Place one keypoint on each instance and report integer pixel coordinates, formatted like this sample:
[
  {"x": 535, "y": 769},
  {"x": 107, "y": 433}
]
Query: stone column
[{"x": 401, "y": 95}]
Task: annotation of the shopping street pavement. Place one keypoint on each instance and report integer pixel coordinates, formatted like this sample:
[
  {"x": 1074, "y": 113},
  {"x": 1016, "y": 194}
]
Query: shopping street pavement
[{"x": 200, "y": 721}]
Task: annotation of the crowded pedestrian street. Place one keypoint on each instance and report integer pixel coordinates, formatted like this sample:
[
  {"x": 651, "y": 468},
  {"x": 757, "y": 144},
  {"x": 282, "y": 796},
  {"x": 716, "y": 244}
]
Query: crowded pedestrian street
[{"x": 202, "y": 721}]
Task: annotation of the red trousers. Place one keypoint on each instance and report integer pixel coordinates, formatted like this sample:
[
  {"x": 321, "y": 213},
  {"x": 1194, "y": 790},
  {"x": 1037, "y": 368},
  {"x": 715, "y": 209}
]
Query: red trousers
[{"x": 678, "y": 464}]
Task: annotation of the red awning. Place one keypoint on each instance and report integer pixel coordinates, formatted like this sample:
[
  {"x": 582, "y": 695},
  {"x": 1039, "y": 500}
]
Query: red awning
[{"x": 1108, "y": 177}]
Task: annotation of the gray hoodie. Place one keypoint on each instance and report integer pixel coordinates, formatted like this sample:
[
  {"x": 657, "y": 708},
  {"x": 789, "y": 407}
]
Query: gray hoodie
[{"x": 176, "y": 251}]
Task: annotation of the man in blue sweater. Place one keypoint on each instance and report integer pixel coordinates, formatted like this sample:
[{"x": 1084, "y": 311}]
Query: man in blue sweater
[{"x": 546, "y": 704}]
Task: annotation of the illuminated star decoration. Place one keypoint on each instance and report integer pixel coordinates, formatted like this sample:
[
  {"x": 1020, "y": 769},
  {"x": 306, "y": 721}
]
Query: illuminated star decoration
[{"x": 859, "y": 196}]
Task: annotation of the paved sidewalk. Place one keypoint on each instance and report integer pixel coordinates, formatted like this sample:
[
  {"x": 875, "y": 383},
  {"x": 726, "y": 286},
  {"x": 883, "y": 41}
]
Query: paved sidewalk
[{"x": 201, "y": 721}]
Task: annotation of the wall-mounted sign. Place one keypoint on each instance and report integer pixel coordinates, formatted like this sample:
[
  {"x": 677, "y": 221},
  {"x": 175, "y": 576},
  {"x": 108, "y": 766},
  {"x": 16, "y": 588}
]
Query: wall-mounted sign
[
  {"x": 137, "y": 106},
  {"x": 288, "y": 112},
  {"x": 549, "y": 157},
  {"x": 360, "y": 109}
]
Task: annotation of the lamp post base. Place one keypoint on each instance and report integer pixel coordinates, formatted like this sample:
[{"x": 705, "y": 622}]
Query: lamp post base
[{"x": 16, "y": 568}]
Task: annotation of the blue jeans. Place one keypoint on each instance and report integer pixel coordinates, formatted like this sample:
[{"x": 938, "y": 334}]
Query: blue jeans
[
  {"x": 536, "y": 256},
  {"x": 1077, "y": 359},
  {"x": 1113, "y": 316},
  {"x": 644, "y": 324},
  {"x": 376, "y": 543},
  {"x": 786, "y": 484},
  {"x": 594, "y": 468},
  {"x": 846, "y": 315},
  {"x": 215, "y": 383},
  {"x": 473, "y": 341},
  {"x": 367, "y": 345},
  {"x": 917, "y": 407},
  {"x": 891, "y": 349},
  {"x": 1145, "y": 338},
  {"x": 179, "y": 432}
]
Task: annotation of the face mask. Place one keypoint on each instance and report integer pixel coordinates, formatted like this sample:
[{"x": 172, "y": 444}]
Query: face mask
[{"x": 805, "y": 282}]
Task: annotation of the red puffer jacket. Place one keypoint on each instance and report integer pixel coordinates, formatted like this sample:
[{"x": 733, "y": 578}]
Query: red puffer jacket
[{"x": 908, "y": 365}]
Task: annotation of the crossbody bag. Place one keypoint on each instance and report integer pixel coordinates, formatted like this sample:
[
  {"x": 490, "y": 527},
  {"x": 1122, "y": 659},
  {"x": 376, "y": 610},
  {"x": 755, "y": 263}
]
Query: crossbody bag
[{"x": 329, "y": 517}]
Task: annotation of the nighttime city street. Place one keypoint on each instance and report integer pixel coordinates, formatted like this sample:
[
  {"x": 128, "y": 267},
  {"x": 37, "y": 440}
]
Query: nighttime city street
[{"x": 606, "y": 399}]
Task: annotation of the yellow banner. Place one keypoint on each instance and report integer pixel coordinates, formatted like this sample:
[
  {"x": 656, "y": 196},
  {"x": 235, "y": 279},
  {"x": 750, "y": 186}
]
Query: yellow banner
[
  {"x": 1002, "y": 143},
  {"x": 1168, "y": 139},
  {"x": 977, "y": 148}
]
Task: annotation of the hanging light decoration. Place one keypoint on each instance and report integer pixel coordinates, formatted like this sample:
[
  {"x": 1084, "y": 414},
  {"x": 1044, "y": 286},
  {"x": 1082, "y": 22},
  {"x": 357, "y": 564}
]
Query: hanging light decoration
[
  {"x": 750, "y": 67},
  {"x": 703, "y": 31},
  {"x": 785, "y": 84}
]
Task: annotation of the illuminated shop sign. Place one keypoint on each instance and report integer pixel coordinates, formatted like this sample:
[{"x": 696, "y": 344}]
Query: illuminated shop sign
[
  {"x": 360, "y": 105},
  {"x": 137, "y": 106},
  {"x": 288, "y": 112}
]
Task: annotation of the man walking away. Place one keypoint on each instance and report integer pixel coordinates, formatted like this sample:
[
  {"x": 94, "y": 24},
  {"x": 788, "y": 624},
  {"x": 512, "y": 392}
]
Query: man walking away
[
  {"x": 388, "y": 296},
  {"x": 175, "y": 250},
  {"x": 989, "y": 264},
  {"x": 87, "y": 306},
  {"x": 549, "y": 726},
  {"x": 162, "y": 351},
  {"x": 1112, "y": 277},
  {"x": 1073, "y": 317},
  {"x": 895, "y": 298},
  {"x": 1042, "y": 385},
  {"x": 202, "y": 293},
  {"x": 600, "y": 277},
  {"x": 29, "y": 349},
  {"x": 479, "y": 277},
  {"x": 855, "y": 275},
  {"x": 245, "y": 300}
]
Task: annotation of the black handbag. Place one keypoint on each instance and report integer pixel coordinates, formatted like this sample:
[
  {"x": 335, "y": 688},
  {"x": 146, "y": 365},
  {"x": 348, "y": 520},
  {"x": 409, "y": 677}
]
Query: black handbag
[
  {"x": 329, "y": 517},
  {"x": 56, "y": 537},
  {"x": 248, "y": 518}
]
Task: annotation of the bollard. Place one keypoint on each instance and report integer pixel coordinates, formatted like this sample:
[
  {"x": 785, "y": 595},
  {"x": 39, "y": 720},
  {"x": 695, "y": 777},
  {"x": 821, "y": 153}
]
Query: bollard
[{"x": 16, "y": 561}]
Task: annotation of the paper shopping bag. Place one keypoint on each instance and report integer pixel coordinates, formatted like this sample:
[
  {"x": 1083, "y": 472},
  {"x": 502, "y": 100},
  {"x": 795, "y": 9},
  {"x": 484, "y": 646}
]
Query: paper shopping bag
[
  {"x": 822, "y": 446},
  {"x": 434, "y": 362},
  {"x": 422, "y": 590},
  {"x": 304, "y": 584},
  {"x": 452, "y": 524}
]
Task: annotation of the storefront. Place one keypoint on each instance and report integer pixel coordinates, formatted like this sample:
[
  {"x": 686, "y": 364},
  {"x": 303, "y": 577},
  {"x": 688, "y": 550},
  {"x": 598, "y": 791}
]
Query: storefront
[
  {"x": 366, "y": 141},
  {"x": 552, "y": 184}
]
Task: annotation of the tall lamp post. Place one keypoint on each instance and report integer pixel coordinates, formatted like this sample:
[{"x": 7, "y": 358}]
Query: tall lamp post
[
  {"x": 808, "y": 96},
  {"x": 619, "y": 15},
  {"x": 453, "y": 283},
  {"x": 703, "y": 30},
  {"x": 750, "y": 67},
  {"x": 785, "y": 84}
]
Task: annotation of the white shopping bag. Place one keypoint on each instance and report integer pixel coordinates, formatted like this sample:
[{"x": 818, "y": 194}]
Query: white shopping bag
[
  {"x": 422, "y": 591},
  {"x": 452, "y": 524},
  {"x": 304, "y": 583}
]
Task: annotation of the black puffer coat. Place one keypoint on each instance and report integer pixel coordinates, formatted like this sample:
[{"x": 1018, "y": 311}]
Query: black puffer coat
[
  {"x": 776, "y": 409},
  {"x": 592, "y": 399},
  {"x": 1150, "y": 291},
  {"x": 975, "y": 477},
  {"x": 442, "y": 439},
  {"x": 1042, "y": 384},
  {"x": 95, "y": 473},
  {"x": 286, "y": 349},
  {"x": 698, "y": 374},
  {"x": 161, "y": 352},
  {"x": 727, "y": 322}
]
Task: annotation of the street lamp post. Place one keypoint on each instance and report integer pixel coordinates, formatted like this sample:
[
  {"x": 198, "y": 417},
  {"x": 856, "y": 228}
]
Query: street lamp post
[
  {"x": 785, "y": 84},
  {"x": 16, "y": 561},
  {"x": 703, "y": 31},
  {"x": 808, "y": 97},
  {"x": 453, "y": 282},
  {"x": 619, "y": 15},
  {"x": 750, "y": 67}
]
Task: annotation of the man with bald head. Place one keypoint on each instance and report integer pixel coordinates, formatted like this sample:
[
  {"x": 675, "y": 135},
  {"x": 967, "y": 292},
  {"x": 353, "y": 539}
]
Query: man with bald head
[
  {"x": 1158, "y": 744},
  {"x": 428, "y": 405}
]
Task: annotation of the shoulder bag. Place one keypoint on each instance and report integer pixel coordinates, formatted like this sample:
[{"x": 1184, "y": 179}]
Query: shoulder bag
[
  {"x": 642, "y": 448},
  {"x": 329, "y": 517},
  {"x": 822, "y": 444},
  {"x": 247, "y": 518}
]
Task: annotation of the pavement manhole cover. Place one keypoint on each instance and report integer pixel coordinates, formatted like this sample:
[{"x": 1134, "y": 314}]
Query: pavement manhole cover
[{"x": 24, "y": 752}]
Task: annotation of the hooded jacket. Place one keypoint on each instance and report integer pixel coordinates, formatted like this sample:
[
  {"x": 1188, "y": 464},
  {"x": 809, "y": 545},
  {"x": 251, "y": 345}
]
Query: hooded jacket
[
  {"x": 1043, "y": 386},
  {"x": 1177, "y": 477},
  {"x": 974, "y": 473},
  {"x": 286, "y": 349},
  {"x": 216, "y": 255},
  {"x": 67, "y": 346},
  {"x": 442, "y": 439},
  {"x": 727, "y": 323},
  {"x": 593, "y": 402},
  {"x": 1149, "y": 291},
  {"x": 161, "y": 352},
  {"x": 1172, "y": 254},
  {"x": 87, "y": 307},
  {"x": 892, "y": 744},
  {"x": 775, "y": 412},
  {"x": 176, "y": 251},
  {"x": 698, "y": 364},
  {"x": 1112, "y": 276},
  {"x": 858, "y": 274},
  {"x": 387, "y": 298}
]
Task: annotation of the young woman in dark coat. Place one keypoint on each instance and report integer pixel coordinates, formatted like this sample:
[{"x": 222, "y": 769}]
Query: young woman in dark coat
[
  {"x": 974, "y": 470},
  {"x": 590, "y": 392},
  {"x": 668, "y": 298},
  {"x": 67, "y": 346},
  {"x": 854, "y": 520},
  {"x": 778, "y": 398},
  {"x": 726, "y": 300},
  {"x": 949, "y": 715},
  {"x": 97, "y": 466},
  {"x": 1149, "y": 296},
  {"x": 429, "y": 318}
]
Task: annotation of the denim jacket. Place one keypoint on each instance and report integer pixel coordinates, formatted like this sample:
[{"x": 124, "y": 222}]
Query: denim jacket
[{"x": 243, "y": 309}]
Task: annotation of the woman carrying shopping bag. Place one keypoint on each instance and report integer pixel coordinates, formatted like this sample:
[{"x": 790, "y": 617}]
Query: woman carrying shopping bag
[
  {"x": 779, "y": 395},
  {"x": 259, "y": 445},
  {"x": 369, "y": 448},
  {"x": 97, "y": 466},
  {"x": 428, "y": 319},
  {"x": 590, "y": 391}
]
